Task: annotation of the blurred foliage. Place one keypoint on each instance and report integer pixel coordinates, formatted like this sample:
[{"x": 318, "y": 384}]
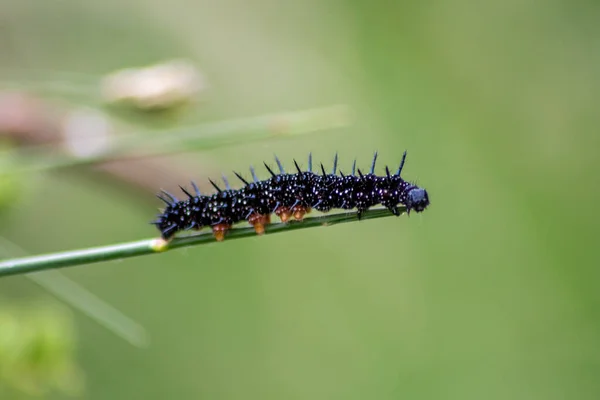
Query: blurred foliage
[
  {"x": 37, "y": 351},
  {"x": 492, "y": 293},
  {"x": 11, "y": 187}
]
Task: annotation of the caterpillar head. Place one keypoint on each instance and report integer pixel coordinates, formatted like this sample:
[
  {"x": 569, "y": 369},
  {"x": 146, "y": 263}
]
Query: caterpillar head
[{"x": 417, "y": 199}]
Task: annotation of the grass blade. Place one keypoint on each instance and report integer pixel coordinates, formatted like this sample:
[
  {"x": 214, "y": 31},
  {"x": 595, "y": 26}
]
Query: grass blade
[{"x": 150, "y": 246}]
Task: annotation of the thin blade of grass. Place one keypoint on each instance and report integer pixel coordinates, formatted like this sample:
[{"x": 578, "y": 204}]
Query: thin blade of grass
[
  {"x": 191, "y": 138},
  {"x": 83, "y": 300}
]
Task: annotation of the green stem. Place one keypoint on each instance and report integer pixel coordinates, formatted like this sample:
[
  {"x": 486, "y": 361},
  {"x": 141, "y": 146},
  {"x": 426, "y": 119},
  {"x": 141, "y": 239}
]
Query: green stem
[{"x": 149, "y": 246}]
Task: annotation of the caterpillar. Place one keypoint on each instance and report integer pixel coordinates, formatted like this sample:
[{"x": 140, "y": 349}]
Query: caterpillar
[{"x": 287, "y": 195}]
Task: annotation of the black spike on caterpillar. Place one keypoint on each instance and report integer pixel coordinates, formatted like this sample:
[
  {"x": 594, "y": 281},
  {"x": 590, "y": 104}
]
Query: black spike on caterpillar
[{"x": 288, "y": 195}]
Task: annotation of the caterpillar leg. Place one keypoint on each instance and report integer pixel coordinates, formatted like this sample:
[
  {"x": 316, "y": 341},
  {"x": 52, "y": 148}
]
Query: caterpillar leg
[
  {"x": 299, "y": 212},
  {"x": 284, "y": 213},
  {"x": 258, "y": 221},
  {"x": 220, "y": 230}
]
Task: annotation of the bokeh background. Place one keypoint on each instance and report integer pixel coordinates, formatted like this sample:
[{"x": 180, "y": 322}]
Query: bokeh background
[{"x": 491, "y": 293}]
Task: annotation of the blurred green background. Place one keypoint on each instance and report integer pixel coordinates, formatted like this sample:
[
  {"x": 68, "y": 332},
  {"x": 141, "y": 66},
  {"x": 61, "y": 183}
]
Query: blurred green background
[{"x": 491, "y": 293}]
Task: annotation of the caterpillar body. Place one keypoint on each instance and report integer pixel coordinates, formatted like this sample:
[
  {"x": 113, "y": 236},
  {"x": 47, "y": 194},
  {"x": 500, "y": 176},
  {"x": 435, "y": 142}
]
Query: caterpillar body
[{"x": 287, "y": 195}]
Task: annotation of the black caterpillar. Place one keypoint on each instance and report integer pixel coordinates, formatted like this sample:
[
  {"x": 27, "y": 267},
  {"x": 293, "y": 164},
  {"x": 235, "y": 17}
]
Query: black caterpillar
[{"x": 288, "y": 195}]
